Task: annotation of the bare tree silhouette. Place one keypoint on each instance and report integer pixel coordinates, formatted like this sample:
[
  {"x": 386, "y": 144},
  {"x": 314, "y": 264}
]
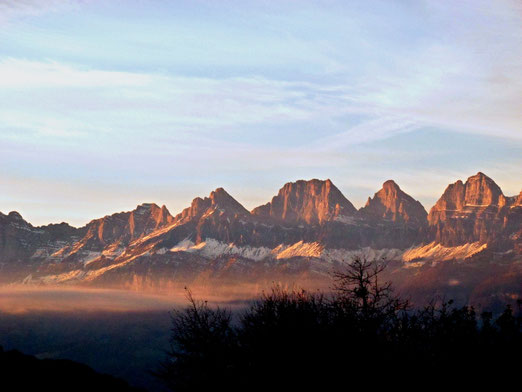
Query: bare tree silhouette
[{"x": 362, "y": 332}]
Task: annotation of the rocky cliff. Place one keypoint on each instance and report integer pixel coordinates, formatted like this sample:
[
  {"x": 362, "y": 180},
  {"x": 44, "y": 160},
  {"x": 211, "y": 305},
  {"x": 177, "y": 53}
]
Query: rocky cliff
[
  {"x": 310, "y": 221},
  {"x": 309, "y": 202},
  {"x": 392, "y": 204},
  {"x": 474, "y": 211}
]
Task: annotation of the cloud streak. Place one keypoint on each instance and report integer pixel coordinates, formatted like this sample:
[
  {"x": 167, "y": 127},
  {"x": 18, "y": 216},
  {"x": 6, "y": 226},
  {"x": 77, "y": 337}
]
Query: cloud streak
[
  {"x": 14, "y": 9},
  {"x": 168, "y": 99}
]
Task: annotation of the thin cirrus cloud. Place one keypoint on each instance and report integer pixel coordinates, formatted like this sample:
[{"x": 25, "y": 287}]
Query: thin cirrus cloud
[
  {"x": 121, "y": 98},
  {"x": 16, "y": 9}
]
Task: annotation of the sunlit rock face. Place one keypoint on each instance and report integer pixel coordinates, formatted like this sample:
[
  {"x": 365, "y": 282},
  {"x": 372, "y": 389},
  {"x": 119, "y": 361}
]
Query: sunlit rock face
[
  {"x": 392, "y": 219},
  {"x": 476, "y": 210},
  {"x": 392, "y": 204},
  {"x": 219, "y": 200},
  {"x": 127, "y": 226},
  {"x": 109, "y": 236},
  {"x": 58, "y": 246},
  {"x": 307, "y": 228},
  {"x": 310, "y": 202},
  {"x": 218, "y": 216},
  {"x": 477, "y": 195}
]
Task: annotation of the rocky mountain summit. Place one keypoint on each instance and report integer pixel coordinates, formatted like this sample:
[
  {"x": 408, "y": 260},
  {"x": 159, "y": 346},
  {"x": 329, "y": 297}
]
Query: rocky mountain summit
[
  {"x": 219, "y": 200},
  {"x": 21, "y": 242},
  {"x": 308, "y": 202},
  {"x": 307, "y": 228},
  {"x": 124, "y": 227},
  {"x": 474, "y": 211},
  {"x": 392, "y": 204}
]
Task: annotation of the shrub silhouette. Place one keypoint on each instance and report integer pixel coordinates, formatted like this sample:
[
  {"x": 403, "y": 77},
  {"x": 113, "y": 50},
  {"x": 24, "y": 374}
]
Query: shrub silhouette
[
  {"x": 362, "y": 334},
  {"x": 202, "y": 349}
]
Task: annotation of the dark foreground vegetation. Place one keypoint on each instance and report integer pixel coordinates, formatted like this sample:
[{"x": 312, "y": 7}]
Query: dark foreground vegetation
[
  {"x": 361, "y": 336},
  {"x": 20, "y": 372}
]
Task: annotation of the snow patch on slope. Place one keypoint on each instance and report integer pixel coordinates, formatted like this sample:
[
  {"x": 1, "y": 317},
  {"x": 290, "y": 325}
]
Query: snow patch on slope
[
  {"x": 113, "y": 250},
  {"x": 212, "y": 248},
  {"x": 441, "y": 253},
  {"x": 347, "y": 220},
  {"x": 65, "y": 277},
  {"x": 299, "y": 249}
]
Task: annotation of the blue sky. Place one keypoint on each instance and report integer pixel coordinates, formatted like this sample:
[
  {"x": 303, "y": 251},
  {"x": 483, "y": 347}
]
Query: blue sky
[{"x": 108, "y": 104}]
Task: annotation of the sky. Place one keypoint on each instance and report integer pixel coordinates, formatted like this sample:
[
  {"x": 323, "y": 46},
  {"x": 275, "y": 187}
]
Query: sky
[{"x": 105, "y": 105}]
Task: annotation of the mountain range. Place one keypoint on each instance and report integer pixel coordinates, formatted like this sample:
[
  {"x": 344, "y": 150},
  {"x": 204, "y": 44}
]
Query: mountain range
[{"x": 307, "y": 229}]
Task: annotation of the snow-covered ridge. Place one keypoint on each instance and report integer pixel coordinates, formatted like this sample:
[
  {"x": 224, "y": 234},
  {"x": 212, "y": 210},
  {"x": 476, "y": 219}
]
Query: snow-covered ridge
[{"x": 212, "y": 248}]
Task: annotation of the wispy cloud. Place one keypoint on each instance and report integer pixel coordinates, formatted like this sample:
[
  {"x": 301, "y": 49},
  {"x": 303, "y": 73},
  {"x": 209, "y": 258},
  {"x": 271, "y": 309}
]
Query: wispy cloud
[
  {"x": 128, "y": 101},
  {"x": 180, "y": 97},
  {"x": 382, "y": 127},
  {"x": 467, "y": 78},
  {"x": 14, "y": 9},
  {"x": 30, "y": 75}
]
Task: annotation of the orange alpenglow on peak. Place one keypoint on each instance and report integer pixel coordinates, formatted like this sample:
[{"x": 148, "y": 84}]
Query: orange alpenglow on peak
[
  {"x": 311, "y": 202},
  {"x": 392, "y": 204},
  {"x": 218, "y": 199},
  {"x": 479, "y": 191},
  {"x": 127, "y": 226},
  {"x": 303, "y": 216},
  {"x": 221, "y": 199},
  {"x": 482, "y": 190},
  {"x": 476, "y": 210}
]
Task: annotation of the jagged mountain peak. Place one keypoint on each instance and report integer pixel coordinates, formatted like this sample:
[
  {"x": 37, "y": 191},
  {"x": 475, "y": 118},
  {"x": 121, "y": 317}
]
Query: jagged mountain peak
[
  {"x": 15, "y": 218},
  {"x": 307, "y": 201},
  {"x": 145, "y": 209},
  {"x": 15, "y": 215},
  {"x": 126, "y": 226},
  {"x": 485, "y": 181},
  {"x": 391, "y": 189},
  {"x": 393, "y": 204},
  {"x": 390, "y": 185},
  {"x": 222, "y": 199},
  {"x": 146, "y": 206},
  {"x": 315, "y": 181},
  {"x": 479, "y": 190},
  {"x": 480, "y": 176},
  {"x": 470, "y": 211},
  {"x": 218, "y": 199},
  {"x": 482, "y": 190},
  {"x": 197, "y": 208},
  {"x": 307, "y": 218},
  {"x": 154, "y": 210}
]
